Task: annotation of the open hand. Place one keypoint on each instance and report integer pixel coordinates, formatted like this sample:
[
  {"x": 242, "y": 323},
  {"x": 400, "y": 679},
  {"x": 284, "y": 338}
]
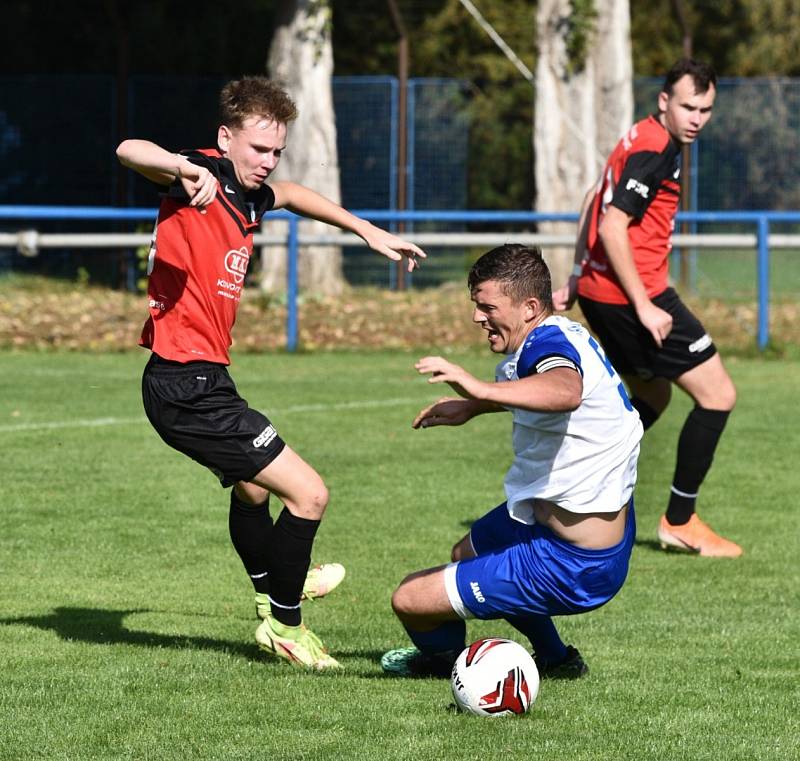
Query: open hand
[
  {"x": 447, "y": 411},
  {"x": 564, "y": 297},
  {"x": 394, "y": 248},
  {"x": 442, "y": 371}
]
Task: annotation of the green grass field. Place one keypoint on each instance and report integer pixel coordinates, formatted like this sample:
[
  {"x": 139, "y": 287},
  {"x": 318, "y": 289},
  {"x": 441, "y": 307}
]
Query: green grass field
[
  {"x": 731, "y": 275},
  {"x": 126, "y": 620}
]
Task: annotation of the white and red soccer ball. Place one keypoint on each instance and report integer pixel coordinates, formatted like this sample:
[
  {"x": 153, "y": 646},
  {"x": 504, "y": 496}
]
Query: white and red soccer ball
[{"x": 495, "y": 677}]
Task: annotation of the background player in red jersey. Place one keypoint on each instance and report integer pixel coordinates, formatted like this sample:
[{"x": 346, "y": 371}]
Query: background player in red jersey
[
  {"x": 621, "y": 282},
  {"x": 201, "y": 249}
]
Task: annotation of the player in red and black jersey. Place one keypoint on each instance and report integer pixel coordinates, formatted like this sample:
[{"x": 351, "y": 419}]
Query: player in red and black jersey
[
  {"x": 198, "y": 262},
  {"x": 620, "y": 279}
]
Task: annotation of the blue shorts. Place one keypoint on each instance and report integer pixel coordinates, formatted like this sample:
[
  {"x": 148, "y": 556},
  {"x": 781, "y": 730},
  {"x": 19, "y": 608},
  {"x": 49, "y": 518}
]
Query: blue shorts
[{"x": 523, "y": 569}]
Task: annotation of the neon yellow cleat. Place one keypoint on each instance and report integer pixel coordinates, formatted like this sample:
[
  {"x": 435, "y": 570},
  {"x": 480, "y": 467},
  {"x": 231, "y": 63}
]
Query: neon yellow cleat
[
  {"x": 320, "y": 581},
  {"x": 296, "y": 644}
]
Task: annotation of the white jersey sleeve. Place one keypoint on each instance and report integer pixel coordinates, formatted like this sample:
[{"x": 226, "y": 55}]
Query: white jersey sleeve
[{"x": 585, "y": 460}]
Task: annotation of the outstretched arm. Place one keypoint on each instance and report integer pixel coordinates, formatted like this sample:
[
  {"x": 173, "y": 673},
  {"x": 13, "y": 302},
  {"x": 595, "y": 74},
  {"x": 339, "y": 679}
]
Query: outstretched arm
[
  {"x": 304, "y": 201},
  {"x": 163, "y": 167},
  {"x": 557, "y": 390}
]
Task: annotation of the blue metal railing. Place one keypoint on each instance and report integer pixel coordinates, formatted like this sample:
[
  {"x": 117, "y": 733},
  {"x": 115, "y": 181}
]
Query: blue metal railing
[{"x": 762, "y": 220}]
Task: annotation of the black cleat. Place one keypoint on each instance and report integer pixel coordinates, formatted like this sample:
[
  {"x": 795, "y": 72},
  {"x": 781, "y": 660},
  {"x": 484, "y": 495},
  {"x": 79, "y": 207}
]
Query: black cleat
[{"x": 571, "y": 667}]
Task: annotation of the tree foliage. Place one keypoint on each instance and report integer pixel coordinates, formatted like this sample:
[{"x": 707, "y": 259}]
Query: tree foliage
[
  {"x": 445, "y": 41},
  {"x": 741, "y": 37}
]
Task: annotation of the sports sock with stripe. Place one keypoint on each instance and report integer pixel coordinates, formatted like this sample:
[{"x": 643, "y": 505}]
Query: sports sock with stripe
[
  {"x": 292, "y": 539},
  {"x": 696, "y": 446},
  {"x": 250, "y": 527}
]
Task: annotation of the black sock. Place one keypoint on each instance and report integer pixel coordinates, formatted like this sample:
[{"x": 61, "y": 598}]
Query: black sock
[
  {"x": 292, "y": 539},
  {"x": 696, "y": 446},
  {"x": 251, "y": 531},
  {"x": 647, "y": 414}
]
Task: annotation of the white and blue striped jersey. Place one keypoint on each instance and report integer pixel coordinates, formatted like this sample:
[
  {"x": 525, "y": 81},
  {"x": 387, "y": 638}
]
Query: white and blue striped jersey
[{"x": 584, "y": 460}]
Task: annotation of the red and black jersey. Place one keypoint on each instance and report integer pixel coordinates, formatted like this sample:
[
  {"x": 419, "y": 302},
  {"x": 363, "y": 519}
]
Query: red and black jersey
[
  {"x": 198, "y": 264},
  {"x": 642, "y": 178}
]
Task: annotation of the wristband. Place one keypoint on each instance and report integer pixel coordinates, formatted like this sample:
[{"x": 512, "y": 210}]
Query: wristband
[{"x": 577, "y": 269}]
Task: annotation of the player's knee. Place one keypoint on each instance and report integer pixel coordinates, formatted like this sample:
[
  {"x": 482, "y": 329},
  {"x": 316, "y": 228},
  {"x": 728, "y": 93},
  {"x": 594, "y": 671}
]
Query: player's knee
[
  {"x": 311, "y": 503},
  {"x": 252, "y": 494},
  {"x": 654, "y": 394},
  {"x": 722, "y": 397},
  {"x": 727, "y": 396},
  {"x": 462, "y": 550},
  {"x": 403, "y": 602},
  {"x": 318, "y": 499}
]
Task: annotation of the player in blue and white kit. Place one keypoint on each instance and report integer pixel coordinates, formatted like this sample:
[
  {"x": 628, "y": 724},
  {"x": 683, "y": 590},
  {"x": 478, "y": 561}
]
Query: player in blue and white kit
[{"x": 561, "y": 542}]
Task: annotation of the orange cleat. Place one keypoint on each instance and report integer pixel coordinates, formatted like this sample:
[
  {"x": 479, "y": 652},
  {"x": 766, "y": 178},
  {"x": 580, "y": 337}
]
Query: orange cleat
[{"x": 696, "y": 536}]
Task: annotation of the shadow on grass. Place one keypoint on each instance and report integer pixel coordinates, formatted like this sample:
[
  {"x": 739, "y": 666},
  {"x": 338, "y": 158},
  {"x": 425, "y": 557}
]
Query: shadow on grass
[
  {"x": 655, "y": 546},
  {"x": 106, "y": 627},
  {"x": 649, "y": 544}
]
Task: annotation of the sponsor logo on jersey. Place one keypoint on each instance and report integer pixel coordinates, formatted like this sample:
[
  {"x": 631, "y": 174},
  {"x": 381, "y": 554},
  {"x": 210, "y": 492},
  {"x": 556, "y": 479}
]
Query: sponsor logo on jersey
[
  {"x": 236, "y": 262},
  {"x": 230, "y": 190},
  {"x": 160, "y": 305},
  {"x": 700, "y": 344},
  {"x": 265, "y": 437},
  {"x": 227, "y": 285},
  {"x": 476, "y": 590},
  {"x": 638, "y": 187}
]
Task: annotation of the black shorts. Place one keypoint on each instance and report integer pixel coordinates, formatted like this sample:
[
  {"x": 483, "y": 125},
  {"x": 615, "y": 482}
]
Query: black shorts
[
  {"x": 631, "y": 348},
  {"x": 196, "y": 409}
]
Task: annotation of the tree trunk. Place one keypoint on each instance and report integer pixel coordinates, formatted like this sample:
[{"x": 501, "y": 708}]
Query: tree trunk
[
  {"x": 584, "y": 104},
  {"x": 301, "y": 58}
]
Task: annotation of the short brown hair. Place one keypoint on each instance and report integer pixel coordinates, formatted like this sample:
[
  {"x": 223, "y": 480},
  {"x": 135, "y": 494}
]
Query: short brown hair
[
  {"x": 520, "y": 270},
  {"x": 254, "y": 96},
  {"x": 702, "y": 74}
]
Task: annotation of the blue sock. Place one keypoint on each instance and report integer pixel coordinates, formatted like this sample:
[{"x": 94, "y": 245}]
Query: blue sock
[
  {"x": 544, "y": 637},
  {"x": 447, "y": 639}
]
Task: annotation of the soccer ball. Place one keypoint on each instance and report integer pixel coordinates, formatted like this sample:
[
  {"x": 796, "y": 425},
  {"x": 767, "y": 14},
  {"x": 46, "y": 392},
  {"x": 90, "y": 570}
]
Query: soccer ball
[{"x": 495, "y": 677}]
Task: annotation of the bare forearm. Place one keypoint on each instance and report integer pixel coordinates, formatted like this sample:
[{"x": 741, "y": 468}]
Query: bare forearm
[
  {"x": 306, "y": 202},
  {"x": 583, "y": 228},
  {"x": 150, "y": 160},
  {"x": 483, "y": 406},
  {"x": 558, "y": 390}
]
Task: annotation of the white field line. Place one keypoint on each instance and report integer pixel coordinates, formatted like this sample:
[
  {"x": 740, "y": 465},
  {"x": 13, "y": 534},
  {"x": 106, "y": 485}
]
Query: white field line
[{"x": 108, "y": 421}]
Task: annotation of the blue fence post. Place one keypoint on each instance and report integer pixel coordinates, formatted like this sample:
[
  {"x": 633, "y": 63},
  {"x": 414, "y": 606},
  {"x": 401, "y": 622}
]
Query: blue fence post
[
  {"x": 763, "y": 281},
  {"x": 291, "y": 284}
]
